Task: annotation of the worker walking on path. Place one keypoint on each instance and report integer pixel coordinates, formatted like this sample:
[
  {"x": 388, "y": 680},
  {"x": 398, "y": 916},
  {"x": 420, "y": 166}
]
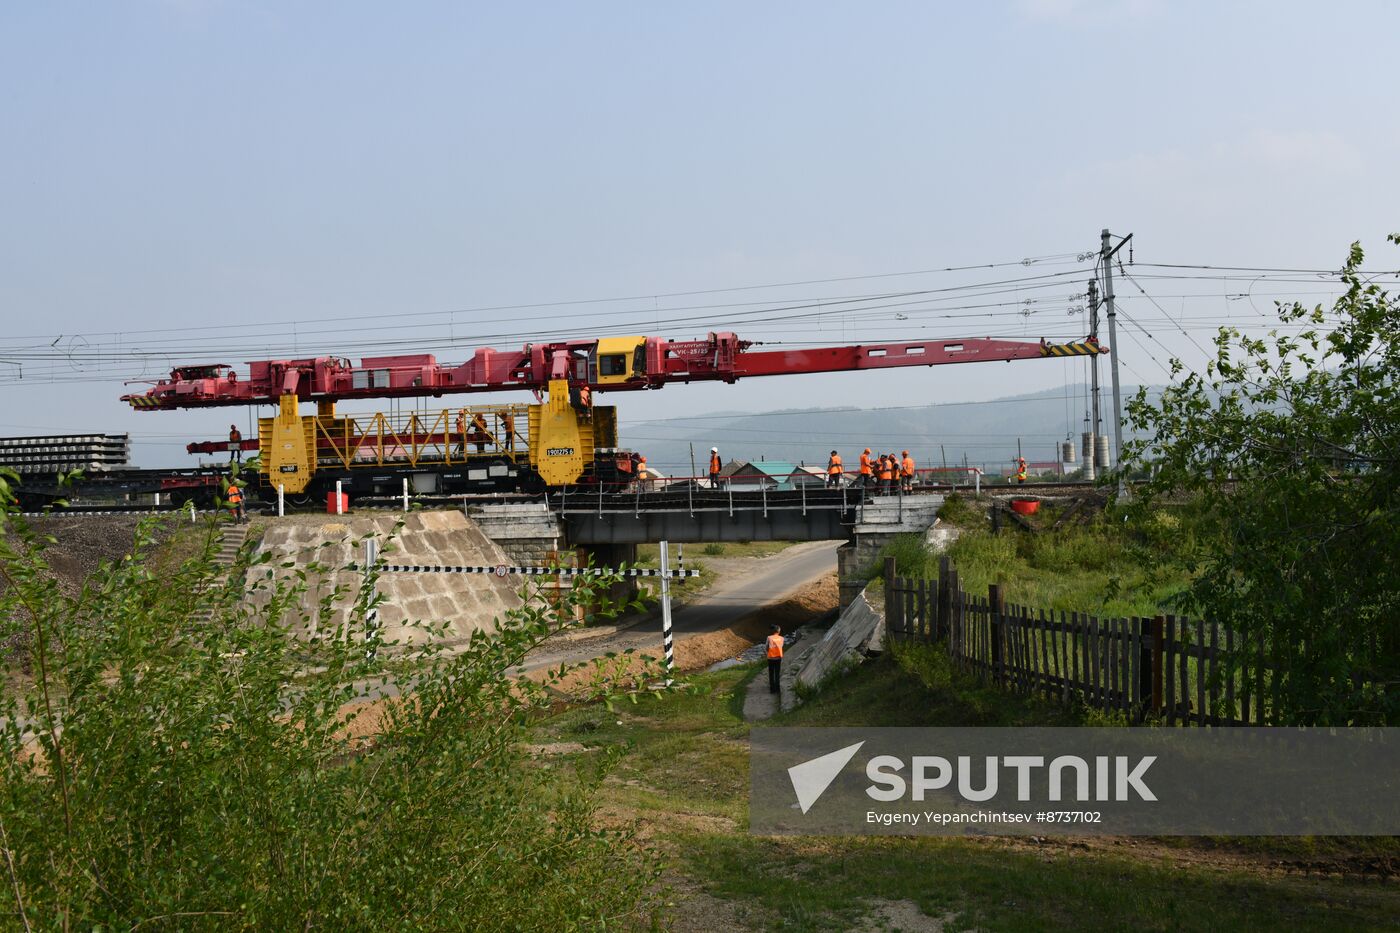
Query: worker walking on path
[
  {"x": 833, "y": 470},
  {"x": 235, "y": 444},
  {"x": 906, "y": 471},
  {"x": 234, "y": 496},
  {"x": 865, "y": 468},
  {"x": 775, "y": 659},
  {"x": 714, "y": 467}
]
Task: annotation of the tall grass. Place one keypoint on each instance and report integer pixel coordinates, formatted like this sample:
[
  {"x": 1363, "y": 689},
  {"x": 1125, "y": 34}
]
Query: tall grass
[{"x": 1102, "y": 567}]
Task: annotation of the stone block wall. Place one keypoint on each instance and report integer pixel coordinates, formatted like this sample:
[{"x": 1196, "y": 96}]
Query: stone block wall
[{"x": 465, "y": 602}]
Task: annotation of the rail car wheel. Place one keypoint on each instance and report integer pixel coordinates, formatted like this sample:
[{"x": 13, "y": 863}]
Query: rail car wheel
[{"x": 531, "y": 482}]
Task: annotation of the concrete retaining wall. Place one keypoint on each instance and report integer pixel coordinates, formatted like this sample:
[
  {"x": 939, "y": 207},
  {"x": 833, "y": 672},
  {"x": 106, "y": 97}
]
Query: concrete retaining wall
[
  {"x": 526, "y": 532},
  {"x": 860, "y": 624},
  {"x": 466, "y": 602}
]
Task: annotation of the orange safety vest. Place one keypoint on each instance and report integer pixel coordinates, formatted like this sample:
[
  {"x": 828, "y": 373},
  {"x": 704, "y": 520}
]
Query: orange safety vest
[
  {"x": 865, "y": 464},
  {"x": 235, "y": 495},
  {"x": 834, "y": 465},
  {"x": 641, "y": 465},
  {"x": 234, "y": 435},
  {"x": 714, "y": 463},
  {"x": 775, "y": 646},
  {"x": 462, "y": 422},
  {"x": 508, "y": 423},
  {"x": 886, "y": 468},
  {"x": 909, "y": 466}
]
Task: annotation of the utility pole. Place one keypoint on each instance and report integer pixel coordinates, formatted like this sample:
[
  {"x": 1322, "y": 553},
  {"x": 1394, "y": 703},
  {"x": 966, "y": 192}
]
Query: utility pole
[
  {"x": 1107, "y": 255},
  {"x": 1090, "y": 455}
]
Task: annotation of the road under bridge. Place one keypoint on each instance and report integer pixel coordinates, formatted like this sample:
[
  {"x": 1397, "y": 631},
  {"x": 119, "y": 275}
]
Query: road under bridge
[{"x": 610, "y": 525}]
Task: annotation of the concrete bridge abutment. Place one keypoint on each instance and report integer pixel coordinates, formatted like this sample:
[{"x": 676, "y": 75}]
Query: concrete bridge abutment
[{"x": 880, "y": 522}]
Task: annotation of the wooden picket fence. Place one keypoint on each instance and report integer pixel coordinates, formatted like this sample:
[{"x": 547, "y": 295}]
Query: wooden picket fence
[{"x": 1170, "y": 668}]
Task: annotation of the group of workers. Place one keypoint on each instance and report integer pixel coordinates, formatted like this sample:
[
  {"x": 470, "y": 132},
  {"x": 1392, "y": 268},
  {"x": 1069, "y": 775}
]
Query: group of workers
[
  {"x": 476, "y": 432},
  {"x": 887, "y": 473}
]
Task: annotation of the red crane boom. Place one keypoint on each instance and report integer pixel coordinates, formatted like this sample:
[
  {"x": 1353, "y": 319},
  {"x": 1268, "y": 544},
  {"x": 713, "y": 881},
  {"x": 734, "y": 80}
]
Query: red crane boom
[{"x": 607, "y": 364}]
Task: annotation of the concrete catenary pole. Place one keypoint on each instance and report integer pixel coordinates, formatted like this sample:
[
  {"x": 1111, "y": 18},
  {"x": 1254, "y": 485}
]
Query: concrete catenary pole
[
  {"x": 1107, "y": 252},
  {"x": 666, "y": 640},
  {"x": 1090, "y": 448}
]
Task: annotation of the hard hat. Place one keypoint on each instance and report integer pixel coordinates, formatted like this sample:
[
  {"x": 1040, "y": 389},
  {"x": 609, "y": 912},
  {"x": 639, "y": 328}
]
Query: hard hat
[
  {"x": 867, "y": 450},
  {"x": 714, "y": 450}
]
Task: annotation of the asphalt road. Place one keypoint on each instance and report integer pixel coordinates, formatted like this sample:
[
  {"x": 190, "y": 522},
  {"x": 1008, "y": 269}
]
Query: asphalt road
[{"x": 736, "y": 593}]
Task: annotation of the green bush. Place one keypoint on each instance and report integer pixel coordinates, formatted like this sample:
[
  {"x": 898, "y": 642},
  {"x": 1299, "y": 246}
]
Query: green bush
[
  {"x": 168, "y": 772},
  {"x": 1286, "y": 446},
  {"x": 912, "y": 558},
  {"x": 963, "y": 511}
]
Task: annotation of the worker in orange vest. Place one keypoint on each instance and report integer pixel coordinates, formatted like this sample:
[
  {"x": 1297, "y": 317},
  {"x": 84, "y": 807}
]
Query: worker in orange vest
[
  {"x": 714, "y": 467},
  {"x": 775, "y": 659},
  {"x": 1020, "y": 469},
  {"x": 906, "y": 471},
  {"x": 865, "y": 471},
  {"x": 462, "y": 432},
  {"x": 479, "y": 433},
  {"x": 234, "y": 497},
  {"x": 891, "y": 474},
  {"x": 508, "y": 429},
  {"x": 833, "y": 470},
  {"x": 235, "y": 444}
]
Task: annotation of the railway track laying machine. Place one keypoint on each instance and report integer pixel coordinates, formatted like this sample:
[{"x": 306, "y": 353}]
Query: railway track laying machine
[{"x": 562, "y": 439}]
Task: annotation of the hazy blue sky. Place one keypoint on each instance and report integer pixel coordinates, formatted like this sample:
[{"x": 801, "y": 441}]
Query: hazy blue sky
[{"x": 318, "y": 177}]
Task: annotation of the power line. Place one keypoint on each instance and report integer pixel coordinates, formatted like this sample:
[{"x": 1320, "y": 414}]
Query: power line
[{"x": 1143, "y": 291}]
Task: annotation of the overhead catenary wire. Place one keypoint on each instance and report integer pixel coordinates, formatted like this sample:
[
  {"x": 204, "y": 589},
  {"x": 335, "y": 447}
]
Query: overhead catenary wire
[{"x": 86, "y": 358}]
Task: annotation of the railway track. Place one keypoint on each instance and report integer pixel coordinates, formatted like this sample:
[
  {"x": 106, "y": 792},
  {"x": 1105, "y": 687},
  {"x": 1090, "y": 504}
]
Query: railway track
[{"x": 395, "y": 503}]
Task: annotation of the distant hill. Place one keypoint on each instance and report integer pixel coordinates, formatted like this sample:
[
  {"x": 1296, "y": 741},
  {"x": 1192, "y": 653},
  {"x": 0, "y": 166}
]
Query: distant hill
[{"x": 983, "y": 432}]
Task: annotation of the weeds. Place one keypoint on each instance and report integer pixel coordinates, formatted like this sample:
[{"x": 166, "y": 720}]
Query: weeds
[{"x": 160, "y": 770}]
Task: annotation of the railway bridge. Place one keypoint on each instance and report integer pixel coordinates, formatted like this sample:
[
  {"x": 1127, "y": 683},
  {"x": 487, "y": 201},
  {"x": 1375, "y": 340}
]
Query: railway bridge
[{"x": 611, "y": 525}]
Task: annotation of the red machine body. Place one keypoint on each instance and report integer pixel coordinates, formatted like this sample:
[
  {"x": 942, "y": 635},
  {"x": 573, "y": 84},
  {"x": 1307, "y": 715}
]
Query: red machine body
[{"x": 655, "y": 361}]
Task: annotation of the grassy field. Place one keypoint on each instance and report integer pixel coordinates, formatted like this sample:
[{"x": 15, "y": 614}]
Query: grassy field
[
  {"x": 1096, "y": 563},
  {"x": 680, "y": 770}
]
